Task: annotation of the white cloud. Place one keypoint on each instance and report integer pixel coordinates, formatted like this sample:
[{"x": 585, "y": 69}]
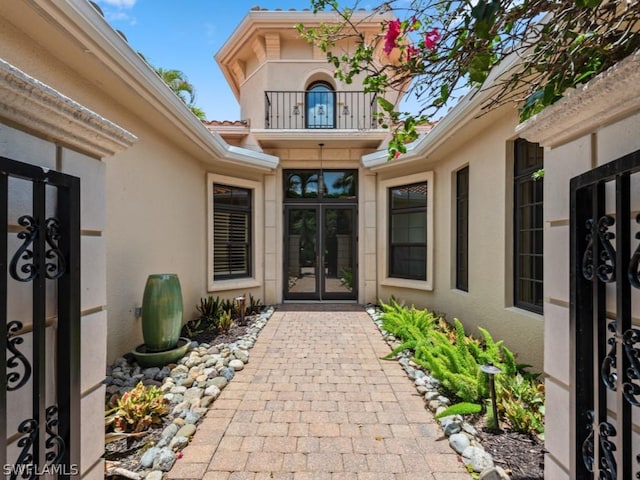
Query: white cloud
[
  {"x": 118, "y": 11},
  {"x": 117, "y": 17},
  {"x": 121, "y": 4}
]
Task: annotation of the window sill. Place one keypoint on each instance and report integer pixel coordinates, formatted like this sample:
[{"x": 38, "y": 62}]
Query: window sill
[
  {"x": 405, "y": 283},
  {"x": 233, "y": 284},
  {"x": 527, "y": 313}
]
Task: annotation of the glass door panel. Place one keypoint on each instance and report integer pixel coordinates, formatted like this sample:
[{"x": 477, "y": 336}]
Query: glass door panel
[
  {"x": 302, "y": 253},
  {"x": 339, "y": 252}
]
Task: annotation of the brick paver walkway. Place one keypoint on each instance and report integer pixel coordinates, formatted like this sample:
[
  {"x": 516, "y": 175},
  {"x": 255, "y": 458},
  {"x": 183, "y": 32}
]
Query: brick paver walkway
[{"x": 315, "y": 402}]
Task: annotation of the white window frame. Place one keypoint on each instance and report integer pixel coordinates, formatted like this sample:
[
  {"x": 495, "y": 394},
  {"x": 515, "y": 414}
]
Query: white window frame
[
  {"x": 257, "y": 234},
  {"x": 383, "y": 231}
]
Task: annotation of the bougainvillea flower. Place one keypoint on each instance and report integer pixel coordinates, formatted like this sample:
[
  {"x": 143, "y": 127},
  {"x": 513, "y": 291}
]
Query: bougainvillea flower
[
  {"x": 412, "y": 52},
  {"x": 393, "y": 32},
  {"x": 431, "y": 39}
]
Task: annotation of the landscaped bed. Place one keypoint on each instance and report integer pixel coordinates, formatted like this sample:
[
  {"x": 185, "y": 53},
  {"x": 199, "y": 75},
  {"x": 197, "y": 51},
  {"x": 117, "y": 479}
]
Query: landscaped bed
[
  {"x": 517, "y": 447},
  {"x": 447, "y": 368}
]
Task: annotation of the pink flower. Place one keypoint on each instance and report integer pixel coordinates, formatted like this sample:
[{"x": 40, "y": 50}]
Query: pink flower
[
  {"x": 393, "y": 32},
  {"x": 412, "y": 52},
  {"x": 431, "y": 39}
]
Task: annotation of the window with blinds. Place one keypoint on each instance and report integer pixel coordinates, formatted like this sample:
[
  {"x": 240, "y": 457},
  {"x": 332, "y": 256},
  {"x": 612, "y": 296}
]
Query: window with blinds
[{"x": 231, "y": 232}]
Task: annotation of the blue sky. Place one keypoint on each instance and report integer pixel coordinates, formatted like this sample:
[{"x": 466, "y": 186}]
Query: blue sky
[{"x": 185, "y": 35}]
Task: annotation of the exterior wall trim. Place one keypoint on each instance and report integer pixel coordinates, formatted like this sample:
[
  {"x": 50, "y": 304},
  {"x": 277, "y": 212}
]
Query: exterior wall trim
[
  {"x": 383, "y": 232},
  {"x": 257, "y": 240},
  {"x": 610, "y": 96},
  {"x": 46, "y": 112}
]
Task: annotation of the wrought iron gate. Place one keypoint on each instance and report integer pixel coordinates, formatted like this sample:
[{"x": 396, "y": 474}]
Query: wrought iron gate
[
  {"x": 40, "y": 249},
  {"x": 605, "y": 344}
]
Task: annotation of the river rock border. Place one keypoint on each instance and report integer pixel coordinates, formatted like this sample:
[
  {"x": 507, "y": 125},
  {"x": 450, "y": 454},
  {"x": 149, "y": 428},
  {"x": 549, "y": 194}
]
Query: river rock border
[
  {"x": 462, "y": 436},
  {"x": 190, "y": 387}
]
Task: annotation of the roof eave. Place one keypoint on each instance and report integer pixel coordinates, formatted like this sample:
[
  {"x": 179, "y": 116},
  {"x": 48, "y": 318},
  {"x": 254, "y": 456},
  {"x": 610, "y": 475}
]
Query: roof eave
[{"x": 90, "y": 28}]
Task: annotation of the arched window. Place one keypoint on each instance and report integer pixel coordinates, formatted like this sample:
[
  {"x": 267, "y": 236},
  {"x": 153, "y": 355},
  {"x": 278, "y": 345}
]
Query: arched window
[{"x": 320, "y": 104}]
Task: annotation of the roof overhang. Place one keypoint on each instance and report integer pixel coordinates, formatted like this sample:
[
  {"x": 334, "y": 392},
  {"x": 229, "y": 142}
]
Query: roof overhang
[{"x": 82, "y": 38}]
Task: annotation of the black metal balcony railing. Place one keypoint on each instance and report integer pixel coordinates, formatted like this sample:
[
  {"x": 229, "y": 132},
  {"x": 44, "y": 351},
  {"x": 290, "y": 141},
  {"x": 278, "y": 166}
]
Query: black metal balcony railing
[{"x": 326, "y": 110}]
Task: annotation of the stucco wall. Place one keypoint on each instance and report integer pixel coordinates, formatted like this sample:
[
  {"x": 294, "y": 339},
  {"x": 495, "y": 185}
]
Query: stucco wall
[
  {"x": 24, "y": 147},
  {"x": 561, "y": 164},
  {"x": 488, "y": 303},
  {"x": 284, "y": 76},
  {"x": 157, "y": 224},
  {"x": 156, "y": 207},
  {"x": 589, "y": 128}
]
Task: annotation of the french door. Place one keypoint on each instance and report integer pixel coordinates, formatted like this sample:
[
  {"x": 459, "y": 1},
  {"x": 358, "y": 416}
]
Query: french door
[{"x": 320, "y": 252}]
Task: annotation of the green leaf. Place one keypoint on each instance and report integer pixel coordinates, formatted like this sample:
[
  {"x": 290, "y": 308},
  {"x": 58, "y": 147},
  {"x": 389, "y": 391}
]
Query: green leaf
[
  {"x": 462, "y": 408},
  {"x": 479, "y": 67},
  {"x": 386, "y": 105}
]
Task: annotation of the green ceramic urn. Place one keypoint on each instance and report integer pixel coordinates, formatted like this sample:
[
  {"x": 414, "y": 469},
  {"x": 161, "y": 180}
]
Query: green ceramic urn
[{"x": 161, "y": 312}]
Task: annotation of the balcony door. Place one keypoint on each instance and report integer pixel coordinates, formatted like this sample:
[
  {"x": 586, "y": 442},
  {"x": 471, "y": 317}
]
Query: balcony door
[
  {"x": 320, "y": 243},
  {"x": 320, "y": 104}
]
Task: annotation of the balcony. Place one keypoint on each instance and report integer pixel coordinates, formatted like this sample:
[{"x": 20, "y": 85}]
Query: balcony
[{"x": 325, "y": 110}]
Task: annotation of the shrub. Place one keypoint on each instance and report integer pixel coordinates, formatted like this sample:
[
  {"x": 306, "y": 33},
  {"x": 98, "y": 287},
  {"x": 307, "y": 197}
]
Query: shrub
[
  {"x": 521, "y": 401},
  {"x": 137, "y": 409},
  {"x": 255, "y": 306},
  {"x": 455, "y": 359},
  {"x": 454, "y": 365},
  {"x": 410, "y": 325},
  {"x": 207, "y": 321},
  {"x": 225, "y": 321},
  {"x": 209, "y": 308}
]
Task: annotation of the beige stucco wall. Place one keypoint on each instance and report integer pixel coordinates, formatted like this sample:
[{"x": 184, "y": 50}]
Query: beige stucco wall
[
  {"x": 488, "y": 303},
  {"x": 562, "y": 163},
  {"x": 157, "y": 213},
  {"x": 285, "y": 76},
  {"x": 156, "y": 202},
  {"x": 19, "y": 145},
  {"x": 590, "y": 128}
]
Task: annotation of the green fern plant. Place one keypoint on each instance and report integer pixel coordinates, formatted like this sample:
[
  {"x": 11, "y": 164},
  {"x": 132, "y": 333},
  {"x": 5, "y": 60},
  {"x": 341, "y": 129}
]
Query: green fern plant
[{"x": 454, "y": 365}]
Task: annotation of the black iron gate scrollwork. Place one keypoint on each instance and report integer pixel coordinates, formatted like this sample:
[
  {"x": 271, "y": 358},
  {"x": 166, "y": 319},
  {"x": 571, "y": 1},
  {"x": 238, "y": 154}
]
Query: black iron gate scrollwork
[
  {"x": 604, "y": 341},
  {"x": 48, "y": 250}
]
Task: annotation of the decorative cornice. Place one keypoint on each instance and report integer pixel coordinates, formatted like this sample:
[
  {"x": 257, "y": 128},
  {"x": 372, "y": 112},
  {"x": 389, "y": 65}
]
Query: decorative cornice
[
  {"x": 40, "y": 109},
  {"x": 612, "y": 95}
]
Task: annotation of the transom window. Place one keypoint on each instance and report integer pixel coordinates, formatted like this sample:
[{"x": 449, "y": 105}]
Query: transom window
[
  {"x": 528, "y": 227},
  {"x": 231, "y": 232},
  {"x": 408, "y": 231},
  {"x": 320, "y": 104},
  {"x": 338, "y": 185}
]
